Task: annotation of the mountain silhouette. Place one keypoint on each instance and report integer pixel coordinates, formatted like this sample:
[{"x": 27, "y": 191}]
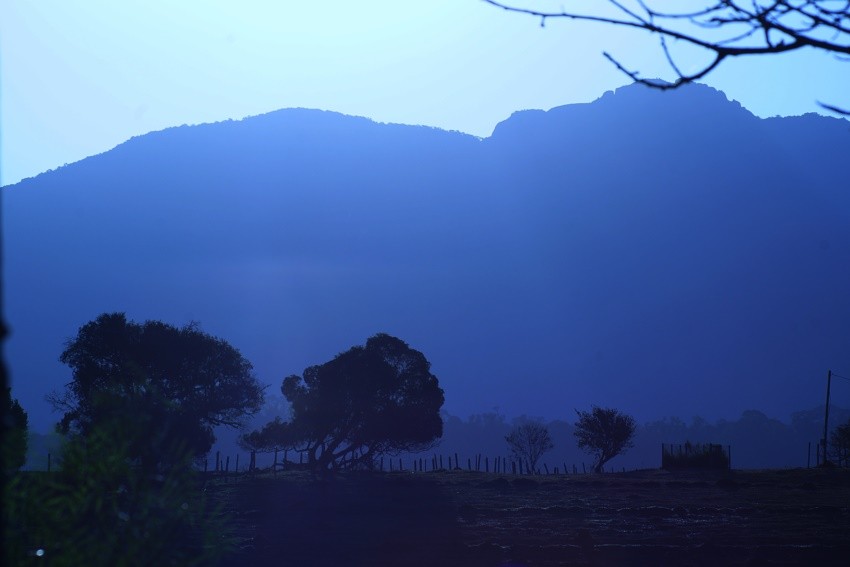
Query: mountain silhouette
[{"x": 665, "y": 253}]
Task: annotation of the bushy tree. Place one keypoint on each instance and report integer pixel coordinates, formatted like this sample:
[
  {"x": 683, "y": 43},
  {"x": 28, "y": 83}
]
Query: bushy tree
[
  {"x": 15, "y": 432},
  {"x": 162, "y": 388},
  {"x": 370, "y": 400},
  {"x": 604, "y": 433},
  {"x": 529, "y": 441}
]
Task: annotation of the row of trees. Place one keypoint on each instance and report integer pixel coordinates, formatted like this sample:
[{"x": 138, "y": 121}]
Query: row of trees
[
  {"x": 162, "y": 390},
  {"x": 601, "y": 432},
  {"x": 166, "y": 388},
  {"x": 143, "y": 403}
]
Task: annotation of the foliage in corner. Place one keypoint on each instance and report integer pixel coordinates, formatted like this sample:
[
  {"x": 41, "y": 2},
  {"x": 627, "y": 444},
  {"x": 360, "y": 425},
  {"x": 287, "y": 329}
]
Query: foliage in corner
[{"x": 101, "y": 509}]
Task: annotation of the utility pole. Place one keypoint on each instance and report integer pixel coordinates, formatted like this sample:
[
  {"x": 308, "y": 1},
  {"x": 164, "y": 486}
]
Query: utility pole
[{"x": 826, "y": 418}]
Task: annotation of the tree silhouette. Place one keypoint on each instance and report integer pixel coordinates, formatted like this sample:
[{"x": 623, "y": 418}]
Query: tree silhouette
[
  {"x": 604, "y": 433},
  {"x": 720, "y": 28},
  {"x": 166, "y": 386},
  {"x": 529, "y": 441},
  {"x": 14, "y": 443},
  {"x": 370, "y": 400},
  {"x": 839, "y": 441}
]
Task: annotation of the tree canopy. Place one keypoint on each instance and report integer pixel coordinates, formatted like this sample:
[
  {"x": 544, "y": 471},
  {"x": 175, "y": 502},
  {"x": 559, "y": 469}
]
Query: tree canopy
[
  {"x": 370, "y": 400},
  {"x": 162, "y": 387},
  {"x": 604, "y": 433}
]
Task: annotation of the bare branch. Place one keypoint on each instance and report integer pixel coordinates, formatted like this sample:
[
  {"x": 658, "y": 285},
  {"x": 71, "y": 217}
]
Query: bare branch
[
  {"x": 722, "y": 28},
  {"x": 835, "y": 109}
]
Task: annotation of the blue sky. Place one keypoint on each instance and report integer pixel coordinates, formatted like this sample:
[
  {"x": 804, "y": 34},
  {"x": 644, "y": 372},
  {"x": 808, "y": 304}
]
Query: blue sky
[{"x": 78, "y": 78}]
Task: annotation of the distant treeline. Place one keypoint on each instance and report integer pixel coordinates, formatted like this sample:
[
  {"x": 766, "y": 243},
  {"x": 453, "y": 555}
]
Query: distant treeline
[{"x": 756, "y": 440}]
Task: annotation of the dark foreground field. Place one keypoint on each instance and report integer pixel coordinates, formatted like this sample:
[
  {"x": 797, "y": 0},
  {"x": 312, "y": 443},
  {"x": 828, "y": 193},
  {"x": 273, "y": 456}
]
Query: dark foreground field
[{"x": 793, "y": 517}]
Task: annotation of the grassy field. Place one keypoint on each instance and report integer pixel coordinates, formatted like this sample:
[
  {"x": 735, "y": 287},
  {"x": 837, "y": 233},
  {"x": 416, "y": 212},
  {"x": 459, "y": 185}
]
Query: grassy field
[{"x": 787, "y": 517}]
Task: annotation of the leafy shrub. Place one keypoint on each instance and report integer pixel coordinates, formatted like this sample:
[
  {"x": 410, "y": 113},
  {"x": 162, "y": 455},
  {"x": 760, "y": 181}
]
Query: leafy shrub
[{"x": 100, "y": 509}]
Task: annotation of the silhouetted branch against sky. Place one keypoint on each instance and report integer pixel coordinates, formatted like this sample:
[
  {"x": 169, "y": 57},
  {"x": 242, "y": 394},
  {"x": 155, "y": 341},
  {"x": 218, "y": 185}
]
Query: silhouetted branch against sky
[{"x": 719, "y": 28}]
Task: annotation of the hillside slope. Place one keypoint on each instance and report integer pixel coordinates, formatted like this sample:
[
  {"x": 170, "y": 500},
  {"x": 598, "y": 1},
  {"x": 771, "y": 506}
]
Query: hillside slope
[{"x": 664, "y": 253}]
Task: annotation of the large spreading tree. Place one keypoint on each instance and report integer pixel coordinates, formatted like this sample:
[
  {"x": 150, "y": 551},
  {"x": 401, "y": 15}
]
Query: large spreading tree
[
  {"x": 160, "y": 388},
  {"x": 368, "y": 401}
]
